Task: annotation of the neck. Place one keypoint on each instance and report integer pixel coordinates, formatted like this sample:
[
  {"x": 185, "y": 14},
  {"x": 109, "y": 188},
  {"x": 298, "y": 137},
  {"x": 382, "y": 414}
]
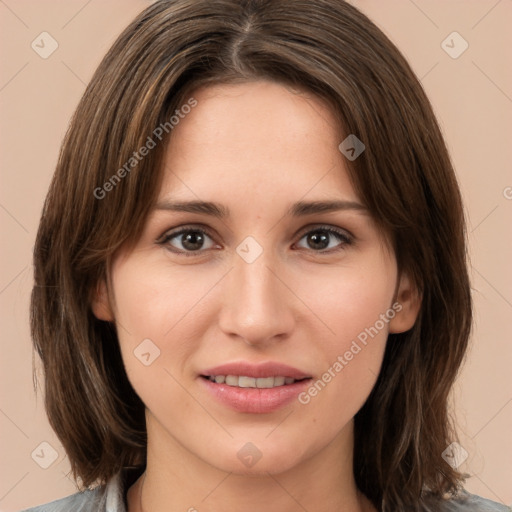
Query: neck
[{"x": 324, "y": 482}]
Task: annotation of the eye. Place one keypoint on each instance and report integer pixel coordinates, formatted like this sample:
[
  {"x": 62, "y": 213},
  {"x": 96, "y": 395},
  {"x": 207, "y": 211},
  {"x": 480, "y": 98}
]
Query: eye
[
  {"x": 191, "y": 241},
  {"x": 323, "y": 239},
  {"x": 187, "y": 240}
]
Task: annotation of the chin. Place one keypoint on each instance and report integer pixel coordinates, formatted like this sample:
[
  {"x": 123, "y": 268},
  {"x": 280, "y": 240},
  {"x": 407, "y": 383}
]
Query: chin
[{"x": 257, "y": 457}]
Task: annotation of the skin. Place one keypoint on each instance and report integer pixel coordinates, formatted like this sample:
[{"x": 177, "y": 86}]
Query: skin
[{"x": 255, "y": 148}]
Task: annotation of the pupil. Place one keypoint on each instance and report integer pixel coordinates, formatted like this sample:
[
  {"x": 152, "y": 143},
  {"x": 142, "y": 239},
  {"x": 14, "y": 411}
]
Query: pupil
[
  {"x": 193, "y": 241},
  {"x": 319, "y": 241}
]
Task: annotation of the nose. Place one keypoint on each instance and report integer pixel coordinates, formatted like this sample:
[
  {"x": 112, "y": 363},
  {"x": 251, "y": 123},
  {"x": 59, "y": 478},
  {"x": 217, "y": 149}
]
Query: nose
[{"x": 257, "y": 304}]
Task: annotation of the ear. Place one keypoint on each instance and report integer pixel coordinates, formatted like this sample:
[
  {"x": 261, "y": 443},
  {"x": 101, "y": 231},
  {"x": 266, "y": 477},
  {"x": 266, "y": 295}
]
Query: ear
[
  {"x": 100, "y": 304},
  {"x": 407, "y": 305}
]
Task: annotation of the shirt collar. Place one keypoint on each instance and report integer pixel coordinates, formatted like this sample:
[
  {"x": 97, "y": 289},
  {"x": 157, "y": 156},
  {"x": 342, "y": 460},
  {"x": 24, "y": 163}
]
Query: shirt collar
[{"x": 117, "y": 487}]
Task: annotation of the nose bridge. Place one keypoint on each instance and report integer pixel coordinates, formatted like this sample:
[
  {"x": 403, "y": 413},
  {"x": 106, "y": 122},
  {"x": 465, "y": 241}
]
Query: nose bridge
[{"x": 255, "y": 305}]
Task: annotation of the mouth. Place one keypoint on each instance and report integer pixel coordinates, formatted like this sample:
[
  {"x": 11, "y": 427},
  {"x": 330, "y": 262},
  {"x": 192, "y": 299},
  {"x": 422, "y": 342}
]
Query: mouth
[
  {"x": 243, "y": 381},
  {"x": 249, "y": 388}
]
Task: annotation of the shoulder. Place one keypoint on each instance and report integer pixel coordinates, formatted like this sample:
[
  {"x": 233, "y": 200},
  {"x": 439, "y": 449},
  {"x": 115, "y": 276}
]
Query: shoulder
[
  {"x": 85, "y": 501},
  {"x": 466, "y": 502},
  {"x": 105, "y": 498}
]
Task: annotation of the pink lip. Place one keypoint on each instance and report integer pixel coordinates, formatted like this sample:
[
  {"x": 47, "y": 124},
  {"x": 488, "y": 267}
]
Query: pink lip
[
  {"x": 269, "y": 369},
  {"x": 255, "y": 400}
]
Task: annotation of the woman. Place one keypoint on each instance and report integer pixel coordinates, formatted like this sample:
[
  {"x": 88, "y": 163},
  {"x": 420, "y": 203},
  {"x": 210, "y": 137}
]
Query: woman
[{"x": 250, "y": 279}]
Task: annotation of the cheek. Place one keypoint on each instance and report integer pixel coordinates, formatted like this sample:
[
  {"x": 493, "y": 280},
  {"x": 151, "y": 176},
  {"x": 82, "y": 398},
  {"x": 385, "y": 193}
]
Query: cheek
[
  {"x": 160, "y": 311},
  {"x": 154, "y": 301},
  {"x": 356, "y": 308},
  {"x": 150, "y": 306},
  {"x": 351, "y": 299}
]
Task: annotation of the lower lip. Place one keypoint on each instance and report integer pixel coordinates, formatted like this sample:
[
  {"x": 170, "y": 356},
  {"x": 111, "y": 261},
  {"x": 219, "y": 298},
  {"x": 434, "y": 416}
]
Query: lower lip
[{"x": 255, "y": 400}]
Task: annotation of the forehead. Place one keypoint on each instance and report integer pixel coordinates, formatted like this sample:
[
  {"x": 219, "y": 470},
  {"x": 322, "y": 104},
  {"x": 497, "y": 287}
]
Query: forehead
[{"x": 259, "y": 139}]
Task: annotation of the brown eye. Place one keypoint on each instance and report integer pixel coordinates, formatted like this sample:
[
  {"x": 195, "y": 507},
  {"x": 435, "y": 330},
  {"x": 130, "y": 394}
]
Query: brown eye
[
  {"x": 324, "y": 239},
  {"x": 187, "y": 240}
]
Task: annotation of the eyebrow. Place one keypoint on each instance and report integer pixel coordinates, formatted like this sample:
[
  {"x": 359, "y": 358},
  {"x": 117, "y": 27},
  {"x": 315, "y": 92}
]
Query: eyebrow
[{"x": 298, "y": 209}]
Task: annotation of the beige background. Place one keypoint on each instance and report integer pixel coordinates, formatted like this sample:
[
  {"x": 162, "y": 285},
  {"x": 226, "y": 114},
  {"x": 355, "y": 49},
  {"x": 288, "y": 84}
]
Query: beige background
[{"x": 472, "y": 96}]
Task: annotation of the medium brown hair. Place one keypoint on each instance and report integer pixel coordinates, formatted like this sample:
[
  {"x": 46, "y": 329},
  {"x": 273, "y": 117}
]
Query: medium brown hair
[{"x": 404, "y": 177}]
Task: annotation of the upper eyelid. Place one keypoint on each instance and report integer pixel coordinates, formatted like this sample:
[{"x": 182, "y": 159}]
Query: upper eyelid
[
  {"x": 180, "y": 229},
  {"x": 326, "y": 227}
]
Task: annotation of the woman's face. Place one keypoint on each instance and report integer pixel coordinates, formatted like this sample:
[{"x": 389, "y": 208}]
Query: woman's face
[{"x": 264, "y": 285}]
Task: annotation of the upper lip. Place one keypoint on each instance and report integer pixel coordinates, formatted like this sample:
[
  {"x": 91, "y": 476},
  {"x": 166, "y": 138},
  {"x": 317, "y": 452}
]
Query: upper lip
[{"x": 261, "y": 370}]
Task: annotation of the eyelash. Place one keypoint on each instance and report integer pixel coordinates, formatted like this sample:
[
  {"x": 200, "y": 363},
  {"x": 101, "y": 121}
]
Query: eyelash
[{"x": 343, "y": 237}]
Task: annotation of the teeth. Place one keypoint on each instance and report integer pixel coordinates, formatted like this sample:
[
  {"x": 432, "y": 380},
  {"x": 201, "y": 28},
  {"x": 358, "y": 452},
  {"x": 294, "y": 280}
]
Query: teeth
[
  {"x": 278, "y": 381},
  {"x": 231, "y": 380},
  {"x": 243, "y": 381},
  {"x": 266, "y": 382},
  {"x": 247, "y": 382}
]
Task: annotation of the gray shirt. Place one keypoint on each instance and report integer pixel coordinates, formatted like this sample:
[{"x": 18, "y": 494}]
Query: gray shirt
[{"x": 112, "y": 498}]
